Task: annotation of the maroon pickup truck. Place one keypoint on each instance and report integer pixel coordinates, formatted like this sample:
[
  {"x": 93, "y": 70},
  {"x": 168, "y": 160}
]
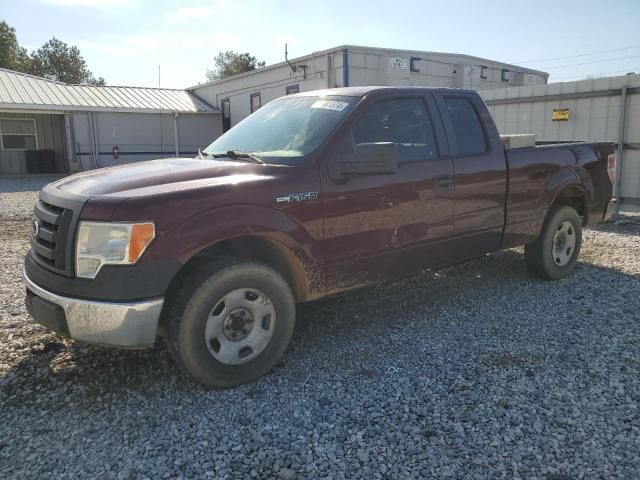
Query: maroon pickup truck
[{"x": 315, "y": 193}]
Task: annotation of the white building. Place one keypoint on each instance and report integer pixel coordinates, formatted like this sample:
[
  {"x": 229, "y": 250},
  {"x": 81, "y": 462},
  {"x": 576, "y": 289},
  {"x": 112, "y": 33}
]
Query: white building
[
  {"x": 350, "y": 65},
  {"x": 52, "y": 127}
]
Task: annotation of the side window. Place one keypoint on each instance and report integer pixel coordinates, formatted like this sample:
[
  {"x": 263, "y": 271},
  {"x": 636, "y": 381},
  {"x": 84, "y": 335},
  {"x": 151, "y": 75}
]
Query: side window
[
  {"x": 18, "y": 134},
  {"x": 403, "y": 121},
  {"x": 226, "y": 114},
  {"x": 466, "y": 126}
]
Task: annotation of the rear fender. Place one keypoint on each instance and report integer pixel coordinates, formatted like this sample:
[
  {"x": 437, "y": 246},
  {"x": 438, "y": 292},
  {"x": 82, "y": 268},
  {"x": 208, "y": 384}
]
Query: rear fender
[{"x": 573, "y": 175}]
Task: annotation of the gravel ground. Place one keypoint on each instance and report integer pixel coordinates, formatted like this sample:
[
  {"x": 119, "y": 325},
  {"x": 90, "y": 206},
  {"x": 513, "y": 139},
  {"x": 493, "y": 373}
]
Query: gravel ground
[
  {"x": 18, "y": 194},
  {"x": 476, "y": 371}
]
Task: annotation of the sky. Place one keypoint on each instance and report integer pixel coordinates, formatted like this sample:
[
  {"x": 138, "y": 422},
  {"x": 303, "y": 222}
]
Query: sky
[{"x": 124, "y": 41}]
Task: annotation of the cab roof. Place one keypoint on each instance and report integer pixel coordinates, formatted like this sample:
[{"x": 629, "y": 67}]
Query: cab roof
[{"x": 365, "y": 90}]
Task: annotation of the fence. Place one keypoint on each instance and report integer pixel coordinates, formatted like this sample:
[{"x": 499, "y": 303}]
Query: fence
[{"x": 600, "y": 109}]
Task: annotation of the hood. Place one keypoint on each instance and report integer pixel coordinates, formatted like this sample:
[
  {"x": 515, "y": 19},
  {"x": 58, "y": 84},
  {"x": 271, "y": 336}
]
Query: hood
[{"x": 159, "y": 176}]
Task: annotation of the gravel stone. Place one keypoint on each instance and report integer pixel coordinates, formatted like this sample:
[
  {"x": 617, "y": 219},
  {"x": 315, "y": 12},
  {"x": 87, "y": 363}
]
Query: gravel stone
[
  {"x": 362, "y": 456},
  {"x": 17, "y": 195},
  {"x": 475, "y": 371},
  {"x": 287, "y": 474}
]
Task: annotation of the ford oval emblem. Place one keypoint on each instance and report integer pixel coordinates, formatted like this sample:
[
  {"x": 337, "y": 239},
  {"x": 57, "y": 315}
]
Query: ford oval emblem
[{"x": 36, "y": 228}]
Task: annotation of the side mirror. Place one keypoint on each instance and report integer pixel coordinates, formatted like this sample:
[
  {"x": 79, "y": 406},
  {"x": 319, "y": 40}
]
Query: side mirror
[{"x": 371, "y": 159}]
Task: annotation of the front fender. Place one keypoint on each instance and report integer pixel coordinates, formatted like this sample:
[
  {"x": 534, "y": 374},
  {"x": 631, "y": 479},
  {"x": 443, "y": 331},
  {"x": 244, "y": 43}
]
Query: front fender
[{"x": 207, "y": 228}]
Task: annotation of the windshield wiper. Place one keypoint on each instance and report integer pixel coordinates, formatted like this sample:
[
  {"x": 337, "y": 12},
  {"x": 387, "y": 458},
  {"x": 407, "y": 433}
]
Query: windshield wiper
[
  {"x": 239, "y": 154},
  {"x": 233, "y": 155},
  {"x": 203, "y": 155}
]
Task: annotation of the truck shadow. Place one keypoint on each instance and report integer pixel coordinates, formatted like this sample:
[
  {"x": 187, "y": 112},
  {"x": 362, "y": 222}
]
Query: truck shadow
[
  {"x": 621, "y": 225},
  {"x": 359, "y": 321}
]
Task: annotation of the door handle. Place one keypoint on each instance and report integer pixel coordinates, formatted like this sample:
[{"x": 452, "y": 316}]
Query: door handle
[
  {"x": 443, "y": 183},
  {"x": 538, "y": 173}
]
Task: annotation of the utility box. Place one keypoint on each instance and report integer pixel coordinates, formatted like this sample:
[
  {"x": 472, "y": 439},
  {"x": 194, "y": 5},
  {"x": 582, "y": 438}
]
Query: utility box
[{"x": 520, "y": 140}]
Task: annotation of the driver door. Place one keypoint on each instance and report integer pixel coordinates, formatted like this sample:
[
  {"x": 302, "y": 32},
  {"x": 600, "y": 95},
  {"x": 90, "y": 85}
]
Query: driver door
[{"x": 379, "y": 227}]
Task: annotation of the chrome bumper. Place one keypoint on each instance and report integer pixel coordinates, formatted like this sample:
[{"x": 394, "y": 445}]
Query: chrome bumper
[{"x": 132, "y": 325}]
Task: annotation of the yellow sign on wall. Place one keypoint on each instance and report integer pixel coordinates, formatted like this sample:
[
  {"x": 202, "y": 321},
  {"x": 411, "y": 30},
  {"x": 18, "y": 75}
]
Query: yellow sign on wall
[{"x": 560, "y": 115}]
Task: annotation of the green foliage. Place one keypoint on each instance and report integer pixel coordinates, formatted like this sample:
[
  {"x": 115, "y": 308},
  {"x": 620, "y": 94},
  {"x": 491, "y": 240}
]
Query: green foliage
[
  {"x": 55, "y": 60},
  {"x": 12, "y": 55},
  {"x": 230, "y": 63}
]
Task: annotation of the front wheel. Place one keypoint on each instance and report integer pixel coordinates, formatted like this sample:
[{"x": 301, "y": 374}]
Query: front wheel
[
  {"x": 555, "y": 252},
  {"x": 232, "y": 322}
]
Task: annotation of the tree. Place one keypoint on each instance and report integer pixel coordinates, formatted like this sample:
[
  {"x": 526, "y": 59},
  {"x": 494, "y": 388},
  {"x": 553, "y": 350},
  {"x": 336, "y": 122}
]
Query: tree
[
  {"x": 231, "y": 63},
  {"x": 12, "y": 55},
  {"x": 56, "y": 60}
]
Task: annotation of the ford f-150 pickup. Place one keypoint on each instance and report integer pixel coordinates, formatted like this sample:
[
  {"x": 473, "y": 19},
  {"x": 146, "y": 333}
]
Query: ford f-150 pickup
[{"x": 315, "y": 193}]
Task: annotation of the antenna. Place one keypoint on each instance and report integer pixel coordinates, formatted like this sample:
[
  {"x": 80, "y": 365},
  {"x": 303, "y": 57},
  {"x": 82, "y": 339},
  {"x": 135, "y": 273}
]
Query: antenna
[
  {"x": 158, "y": 76},
  {"x": 293, "y": 68}
]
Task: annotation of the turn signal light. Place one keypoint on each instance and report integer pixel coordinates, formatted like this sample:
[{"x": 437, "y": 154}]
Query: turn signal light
[{"x": 141, "y": 236}]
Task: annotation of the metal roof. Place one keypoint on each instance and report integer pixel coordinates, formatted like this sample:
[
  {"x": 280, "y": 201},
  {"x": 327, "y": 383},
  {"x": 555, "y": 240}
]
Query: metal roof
[{"x": 22, "y": 91}]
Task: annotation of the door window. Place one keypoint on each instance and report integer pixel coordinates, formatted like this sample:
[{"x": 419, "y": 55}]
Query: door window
[
  {"x": 466, "y": 126},
  {"x": 402, "y": 121}
]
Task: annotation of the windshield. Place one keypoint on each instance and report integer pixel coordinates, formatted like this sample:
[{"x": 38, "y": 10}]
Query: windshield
[{"x": 285, "y": 130}]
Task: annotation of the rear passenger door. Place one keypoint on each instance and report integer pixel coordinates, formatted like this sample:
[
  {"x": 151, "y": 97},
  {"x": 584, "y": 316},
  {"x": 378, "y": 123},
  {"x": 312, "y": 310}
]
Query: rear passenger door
[{"x": 480, "y": 174}]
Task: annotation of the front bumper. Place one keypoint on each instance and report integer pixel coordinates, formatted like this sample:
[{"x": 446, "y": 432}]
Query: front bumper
[{"x": 127, "y": 324}]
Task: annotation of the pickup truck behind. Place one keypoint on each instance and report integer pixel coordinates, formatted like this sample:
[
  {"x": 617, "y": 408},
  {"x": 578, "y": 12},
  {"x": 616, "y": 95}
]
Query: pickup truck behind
[{"x": 314, "y": 194}]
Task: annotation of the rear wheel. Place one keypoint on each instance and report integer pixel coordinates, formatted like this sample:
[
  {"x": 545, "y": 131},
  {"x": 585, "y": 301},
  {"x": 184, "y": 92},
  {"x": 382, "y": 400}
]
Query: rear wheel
[
  {"x": 232, "y": 322},
  {"x": 555, "y": 253}
]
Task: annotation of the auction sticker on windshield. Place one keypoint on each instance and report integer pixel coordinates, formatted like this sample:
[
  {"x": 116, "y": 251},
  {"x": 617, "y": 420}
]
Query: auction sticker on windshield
[{"x": 330, "y": 105}]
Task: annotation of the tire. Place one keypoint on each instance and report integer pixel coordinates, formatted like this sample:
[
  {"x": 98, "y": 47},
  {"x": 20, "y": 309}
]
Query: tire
[
  {"x": 555, "y": 252},
  {"x": 231, "y": 322}
]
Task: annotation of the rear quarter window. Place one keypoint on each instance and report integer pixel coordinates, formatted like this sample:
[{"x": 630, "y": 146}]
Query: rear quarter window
[{"x": 466, "y": 126}]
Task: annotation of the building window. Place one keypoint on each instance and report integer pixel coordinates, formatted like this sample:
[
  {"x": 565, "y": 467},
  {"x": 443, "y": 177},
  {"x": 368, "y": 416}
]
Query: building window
[
  {"x": 483, "y": 72},
  {"x": 505, "y": 75},
  {"x": 226, "y": 114},
  {"x": 255, "y": 101},
  {"x": 18, "y": 134},
  {"x": 291, "y": 89},
  {"x": 412, "y": 64}
]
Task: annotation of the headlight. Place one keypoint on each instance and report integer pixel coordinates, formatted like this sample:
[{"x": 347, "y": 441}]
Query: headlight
[{"x": 106, "y": 243}]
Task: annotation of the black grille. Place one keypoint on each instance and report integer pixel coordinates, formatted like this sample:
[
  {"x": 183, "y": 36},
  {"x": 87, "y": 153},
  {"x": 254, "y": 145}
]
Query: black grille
[{"x": 50, "y": 236}]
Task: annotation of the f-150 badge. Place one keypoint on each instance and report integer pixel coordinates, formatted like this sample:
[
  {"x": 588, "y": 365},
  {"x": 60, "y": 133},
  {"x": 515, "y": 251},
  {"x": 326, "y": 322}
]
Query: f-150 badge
[{"x": 297, "y": 197}]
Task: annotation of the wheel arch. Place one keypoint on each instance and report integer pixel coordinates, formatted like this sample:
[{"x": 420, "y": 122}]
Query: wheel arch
[
  {"x": 574, "y": 196},
  {"x": 267, "y": 250},
  {"x": 571, "y": 186}
]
